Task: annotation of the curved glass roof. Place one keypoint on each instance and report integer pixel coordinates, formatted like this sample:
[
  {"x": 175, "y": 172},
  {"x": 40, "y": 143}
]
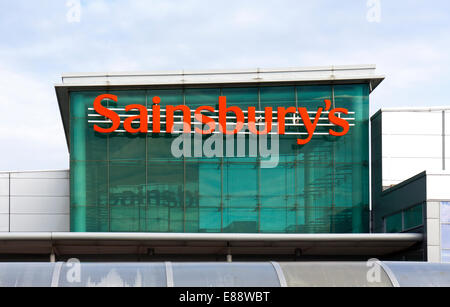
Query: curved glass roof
[
  {"x": 264, "y": 274},
  {"x": 420, "y": 274}
]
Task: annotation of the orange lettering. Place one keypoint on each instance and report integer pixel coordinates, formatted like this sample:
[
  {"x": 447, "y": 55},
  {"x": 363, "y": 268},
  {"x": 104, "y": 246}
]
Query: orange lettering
[
  {"x": 252, "y": 121},
  {"x": 170, "y": 111},
  {"x": 310, "y": 127},
  {"x": 111, "y": 115},
  {"x": 339, "y": 122},
  {"x": 156, "y": 118},
  {"x": 223, "y": 110},
  {"x": 205, "y": 120},
  {"x": 143, "y": 117},
  {"x": 282, "y": 112}
]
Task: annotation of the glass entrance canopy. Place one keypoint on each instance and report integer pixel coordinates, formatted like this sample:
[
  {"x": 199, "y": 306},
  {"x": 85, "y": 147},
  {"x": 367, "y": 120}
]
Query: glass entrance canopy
[{"x": 311, "y": 274}]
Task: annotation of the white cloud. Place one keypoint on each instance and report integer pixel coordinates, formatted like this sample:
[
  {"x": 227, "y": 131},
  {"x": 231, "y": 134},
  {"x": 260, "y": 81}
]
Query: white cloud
[
  {"x": 409, "y": 46},
  {"x": 31, "y": 132}
]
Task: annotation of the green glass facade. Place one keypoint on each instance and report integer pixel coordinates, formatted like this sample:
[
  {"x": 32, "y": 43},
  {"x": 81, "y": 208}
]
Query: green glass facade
[
  {"x": 406, "y": 220},
  {"x": 132, "y": 183}
]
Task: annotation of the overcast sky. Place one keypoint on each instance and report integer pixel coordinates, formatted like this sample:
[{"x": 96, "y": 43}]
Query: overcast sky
[{"x": 39, "y": 40}]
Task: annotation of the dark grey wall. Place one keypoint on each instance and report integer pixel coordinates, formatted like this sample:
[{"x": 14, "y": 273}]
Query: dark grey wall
[{"x": 377, "y": 169}]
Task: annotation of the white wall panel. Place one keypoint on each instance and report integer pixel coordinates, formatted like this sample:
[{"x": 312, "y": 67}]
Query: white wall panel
[
  {"x": 396, "y": 170},
  {"x": 434, "y": 254},
  {"x": 447, "y": 122},
  {"x": 40, "y": 205},
  {"x": 4, "y": 187},
  {"x": 433, "y": 210},
  {"x": 412, "y": 146},
  {"x": 4, "y": 222},
  {"x": 40, "y": 223},
  {"x": 40, "y": 187},
  {"x": 433, "y": 232},
  {"x": 425, "y": 123},
  {"x": 447, "y": 145},
  {"x": 39, "y": 201},
  {"x": 438, "y": 187},
  {"x": 41, "y": 175},
  {"x": 4, "y": 205}
]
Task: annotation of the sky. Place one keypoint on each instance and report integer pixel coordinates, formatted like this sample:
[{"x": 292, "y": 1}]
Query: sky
[{"x": 408, "y": 40}]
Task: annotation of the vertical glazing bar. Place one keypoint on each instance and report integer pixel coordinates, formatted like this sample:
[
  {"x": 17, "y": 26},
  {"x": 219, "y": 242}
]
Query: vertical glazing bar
[
  {"x": 146, "y": 170},
  {"x": 333, "y": 167},
  {"x": 258, "y": 166},
  {"x": 221, "y": 184},
  {"x": 309, "y": 200},
  {"x": 108, "y": 161},
  {"x": 296, "y": 164},
  {"x": 9, "y": 202},
  {"x": 221, "y": 194},
  {"x": 184, "y": 178},
  {"x": 443, "y": 141}
]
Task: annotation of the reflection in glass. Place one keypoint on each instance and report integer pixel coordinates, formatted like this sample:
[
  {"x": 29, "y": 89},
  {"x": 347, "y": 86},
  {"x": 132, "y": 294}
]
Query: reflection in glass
[{"x": 133, "y": 183}]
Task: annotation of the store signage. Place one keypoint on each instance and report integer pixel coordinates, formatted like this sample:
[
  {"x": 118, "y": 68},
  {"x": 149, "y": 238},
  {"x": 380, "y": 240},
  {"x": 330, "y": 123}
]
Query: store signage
[{"x": 250, "y": 118}]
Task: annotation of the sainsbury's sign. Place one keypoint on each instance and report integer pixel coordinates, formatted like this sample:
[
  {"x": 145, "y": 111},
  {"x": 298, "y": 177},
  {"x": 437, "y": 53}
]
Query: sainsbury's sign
[{"x": 152, "y": 120}]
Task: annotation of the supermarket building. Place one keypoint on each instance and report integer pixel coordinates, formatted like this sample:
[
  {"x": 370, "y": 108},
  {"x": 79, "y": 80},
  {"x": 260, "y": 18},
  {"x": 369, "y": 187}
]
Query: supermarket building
[{"x": 128, "y": 198}]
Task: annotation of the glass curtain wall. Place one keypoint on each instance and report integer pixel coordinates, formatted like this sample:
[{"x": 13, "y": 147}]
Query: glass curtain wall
[{"x": 132, "y": 183}]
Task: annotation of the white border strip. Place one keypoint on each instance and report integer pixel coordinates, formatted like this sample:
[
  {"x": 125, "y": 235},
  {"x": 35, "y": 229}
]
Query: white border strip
[
  {"x": 56, "y": 274},
  {"x": 280, "y": 274},
  {"x": 390, "y": 274},
  {"x": 169, "y": 275}
]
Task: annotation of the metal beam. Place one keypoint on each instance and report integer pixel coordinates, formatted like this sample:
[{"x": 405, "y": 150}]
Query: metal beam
[{"x": 70, "y": 236}]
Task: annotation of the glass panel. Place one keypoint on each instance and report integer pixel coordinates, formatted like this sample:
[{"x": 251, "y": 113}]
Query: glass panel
[
  {"x": 445, "y": 256},
  {"x": 413, "y": 217},
  {"x": 127, "y": 195},
  {"x": 166, "y": 203},
  {"x": 159, "y": 148},
  {"x": 168, "y": 97},
  {"x": 26, "y": 274},
  {"x": 240, "y": 220},
  {"x": 210, "y": 220},
  {"x": 202, "y": 97},
  {"x": 420, "y": 274},
  {"x": 80, "y": 102},
  {"x": 225, "y": 275},
  {"x": 312, "y": 96},
  {"x": 445, "y": 212},
  {"x": 445, "y": 236},
  {"x": 242, "y": 97},
  {"x": 116, "y": 275},
  {"x": 125, "y": 98},
  {"x": 124, "y": 146},
  {"x": 394, "y": 223},
  {"x": 87, "y": 144},
  {"x": 233, "y": 187},
  {"x": 331, "y": 274},
  {"x": 274, "y": 220},
  {"x": 278, "y": 97}
]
